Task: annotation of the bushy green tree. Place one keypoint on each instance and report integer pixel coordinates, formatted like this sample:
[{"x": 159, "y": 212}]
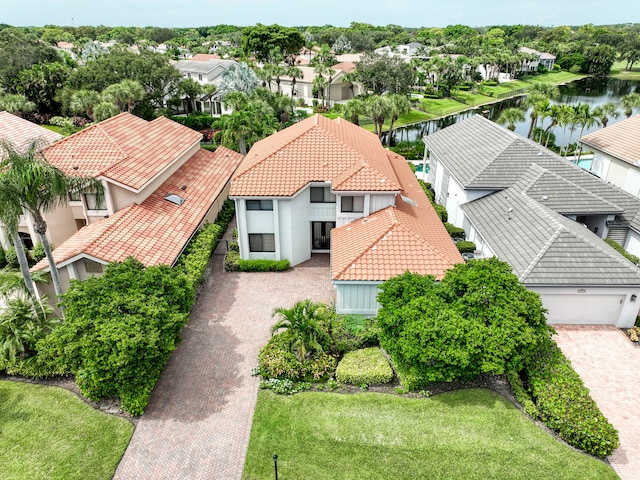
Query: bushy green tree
[
  {"x": 119, "y": 331},
  {"x": 478, "y": 319}
]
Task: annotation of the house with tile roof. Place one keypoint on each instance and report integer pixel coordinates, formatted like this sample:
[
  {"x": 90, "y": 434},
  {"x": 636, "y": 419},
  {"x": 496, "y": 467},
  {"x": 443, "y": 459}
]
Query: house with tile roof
[
  {"x": 616, "y": 154},
  {"x": 543, "y": 215},
  {"x": 159, "y": 188},
  {"x": 206, "y": 69},
  {"x": 328, "y": 186},
  {"x": 545, "y": 59},
  {"x": 21, "y": 133}
]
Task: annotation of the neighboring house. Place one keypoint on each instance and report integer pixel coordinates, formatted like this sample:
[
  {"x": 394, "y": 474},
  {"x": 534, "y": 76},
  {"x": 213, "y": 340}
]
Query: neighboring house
[
  {"x": 159, "y": 186},
  {"x": 403, "y": 51},
  {"x": 616, "y": 154},
  {"x": 66, "y": 47},
  {"x": 205, "y": 57},
  {"x": 340, "y": 90},
  {"x": 206, "y": 72},
  {"x": 324, "y": 186},
  {"x": 543, "y": 215},
  {"x": 21, "y": 133},
  {"x": 545, "y": 59}
]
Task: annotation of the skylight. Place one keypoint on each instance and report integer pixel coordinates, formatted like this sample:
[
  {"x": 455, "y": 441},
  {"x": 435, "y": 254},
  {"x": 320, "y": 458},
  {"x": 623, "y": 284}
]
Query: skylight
[
  {"x": 408, "y": 200},
  {"x": 173, "y": 198}
]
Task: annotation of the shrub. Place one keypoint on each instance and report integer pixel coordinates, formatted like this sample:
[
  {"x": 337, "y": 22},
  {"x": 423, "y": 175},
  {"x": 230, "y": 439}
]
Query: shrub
[
  {"x": 428, "y": 189},
  {"x": 565, "y": 405},
  {"x": 196, "y": 122},
  {"x": 225, "y": 214},
  {"x": 278, "y": 361},
  {"x": 284, "y": 387},
  {"x": 368, "y": 366},
  {"x": 466, "y": 247},
  {"x": 119, "y": 331},
  {"x": 37, "y": 253},
  {"x": 521, "y": 394},
  {"x": 11, "y": 257},
  {"x": 618, "y": 248},
  {"x": 454, "y": 232},
  {"x": 261, "y": 265},
  {"x": 442, "y": 212},
  {"x": 232, "y": 261},
  {"x": 3, "y": 257},
  {"x": 196, "y": 256}
]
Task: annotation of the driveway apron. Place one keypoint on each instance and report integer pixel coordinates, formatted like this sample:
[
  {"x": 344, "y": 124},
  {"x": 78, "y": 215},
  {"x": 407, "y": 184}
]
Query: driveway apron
[
  {"x": 608, "y": 363},
  {"x": 198, "y": 422}
]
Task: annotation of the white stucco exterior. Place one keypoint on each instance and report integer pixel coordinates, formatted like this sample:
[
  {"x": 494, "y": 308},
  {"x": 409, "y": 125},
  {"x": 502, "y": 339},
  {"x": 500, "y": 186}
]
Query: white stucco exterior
[
  {"x": 622, "y": 174},
  {"x": 357, "y": 298}
]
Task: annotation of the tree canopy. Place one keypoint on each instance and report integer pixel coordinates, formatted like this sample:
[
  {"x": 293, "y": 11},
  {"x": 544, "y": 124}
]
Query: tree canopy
[
  {"x": 266, "y": 41},
  {"x": 478, "y": 319}
]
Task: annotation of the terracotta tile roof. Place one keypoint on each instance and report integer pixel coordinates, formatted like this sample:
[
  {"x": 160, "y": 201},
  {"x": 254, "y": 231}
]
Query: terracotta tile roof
[
  {"x": 619, "y": 140},
  {"x": 125, "y": 149},
  {"x": 315, "y": 150},
  {"x": 346, "y": 67},
  {"x": 156, "y": 231},
  {"x": 205, "y": 57},
  {"x": 409, "y": 236},
  {"x": 20, "y": 132}
]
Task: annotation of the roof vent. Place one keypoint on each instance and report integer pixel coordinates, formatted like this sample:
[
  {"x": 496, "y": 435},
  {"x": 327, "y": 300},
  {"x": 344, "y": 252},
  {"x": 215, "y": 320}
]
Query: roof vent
[
  {"x": 184, "y": 187},
  {"x": 173, "y": 198},
  {"x": 408, "y": 200},
  {"x": 544, "y": 197}
]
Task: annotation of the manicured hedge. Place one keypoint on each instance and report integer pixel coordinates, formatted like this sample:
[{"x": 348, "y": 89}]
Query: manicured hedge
[
  {"x": 466, "y": 247},
  {"x": 455, "y": 232},
  {"x": 263, "y": 265},
  {"x": 196, "y": 257},
  {"x": 364, "y": 367},
  {"x": 565, "y": 405},
  {"x": 200, "y": 122}
]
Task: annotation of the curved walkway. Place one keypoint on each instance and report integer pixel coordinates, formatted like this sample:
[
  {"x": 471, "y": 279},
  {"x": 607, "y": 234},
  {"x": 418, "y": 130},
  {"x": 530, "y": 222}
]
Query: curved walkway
[
  {"x": 608, "y": 364},
  {"x": 198, "y": 422}
]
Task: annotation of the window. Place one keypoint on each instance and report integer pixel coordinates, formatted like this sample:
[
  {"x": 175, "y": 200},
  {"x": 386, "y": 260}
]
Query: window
[
  {"x": 262, "y": 242},
  {"x": 75, "y": 196},
  {"x": 92, "y": 202},
  {"x": 352, "y": 204},
  {"x": 322, "y": 195},
  {"x": 93, "y": 267},
  {"x": 188, "y": 75},
  {"x": 199, "y": 76},
  {"x": 259, "y": 204}
]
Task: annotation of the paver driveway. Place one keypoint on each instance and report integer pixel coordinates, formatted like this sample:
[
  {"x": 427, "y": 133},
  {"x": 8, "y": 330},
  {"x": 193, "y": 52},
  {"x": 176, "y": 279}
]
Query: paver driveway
[
  {"x": 198, "y": 422},
  {"x": 609, "y": 364}
]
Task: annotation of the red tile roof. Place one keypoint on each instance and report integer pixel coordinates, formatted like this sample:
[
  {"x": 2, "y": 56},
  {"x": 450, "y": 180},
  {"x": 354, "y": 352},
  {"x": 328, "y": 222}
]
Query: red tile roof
[
  {"x": 315, "y": 150},
  {"x": 620, "y": 140},
  {"x": 20, "y": 132},
  {"x": 205, "y": 57},
  {"x": 396, "y": 239},
  {"x": 156, "y": 231},
  {"x": 346, "y": 67},
  {"x": 125, "y": 149}
]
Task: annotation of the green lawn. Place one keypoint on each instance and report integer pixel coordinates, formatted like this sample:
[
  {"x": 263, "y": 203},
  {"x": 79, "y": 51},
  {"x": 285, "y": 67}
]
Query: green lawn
[
  {"x": 53, "y": 128},
  {"x": 467, "y": 434},
  {"x": 618, "y": 71},
  {"x": 49, "y": 433}
]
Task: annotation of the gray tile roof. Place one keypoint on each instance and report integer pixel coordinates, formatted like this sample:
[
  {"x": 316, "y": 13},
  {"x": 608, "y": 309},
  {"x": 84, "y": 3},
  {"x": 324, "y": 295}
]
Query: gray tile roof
[
  {"x": 481, "y": 154},
  {"x": 542, "y": 246},
  {"x": 202, "y": 67}
]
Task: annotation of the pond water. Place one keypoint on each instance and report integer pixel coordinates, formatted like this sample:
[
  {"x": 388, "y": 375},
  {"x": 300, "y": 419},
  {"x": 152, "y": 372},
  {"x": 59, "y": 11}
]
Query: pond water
[{"x": 587, "y": 90}]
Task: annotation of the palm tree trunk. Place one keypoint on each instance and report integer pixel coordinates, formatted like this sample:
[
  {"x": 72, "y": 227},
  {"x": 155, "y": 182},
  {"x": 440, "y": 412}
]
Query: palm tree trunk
[
  {"x": 24, "y": 264},
  {"x": 40, "y": 226},
  {"x": 242, "y": 145},
  {"x": 390, "y": 132}
]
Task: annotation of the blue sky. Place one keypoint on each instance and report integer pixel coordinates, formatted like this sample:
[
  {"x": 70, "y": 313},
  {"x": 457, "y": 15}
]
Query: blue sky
[{"x": 408, "y": 13}]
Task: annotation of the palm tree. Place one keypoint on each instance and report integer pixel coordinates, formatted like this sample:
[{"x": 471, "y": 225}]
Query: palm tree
[
  {"x": 190, "y": 89},
  {"x": 378, "y": 109},
  {"x": 303, "y": 323},
  {"x": 605, "y": 111},
  {"x": 534, "y": 100},
  {"x": 279, "y": 71},
  {"x": 12, "y": 281},
  {"x": 353, "y": 109},
  {"x": 510, "y": 116},
  {"x": 238, "y": 78},
  {"x": 294, "y": 73},
  {"x": 586, "y": 118},
  {"x": 39, "y": 187},
  {"x": 629, "y": 102},
  {"x": 566, "y": 117},
  {"x": 84, "y": 101},
  {"x": 16, "y": 103},
  {"x": 10, "y": 212},
  {"x": 321, "y": 84},
  {"x": 124, "y": 94},
  {"x": 399, "y": 105}
]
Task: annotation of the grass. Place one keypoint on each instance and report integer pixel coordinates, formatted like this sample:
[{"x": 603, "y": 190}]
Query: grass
[
  {"x": 467, "y": 434},
  {"x": 618, "y": 71},
  {"x": 53, "y": 128},
  {"x": 49, "y": 433}
]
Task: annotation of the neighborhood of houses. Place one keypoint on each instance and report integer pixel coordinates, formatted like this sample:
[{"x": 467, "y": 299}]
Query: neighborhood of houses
[{"x": 329, "y": 186}]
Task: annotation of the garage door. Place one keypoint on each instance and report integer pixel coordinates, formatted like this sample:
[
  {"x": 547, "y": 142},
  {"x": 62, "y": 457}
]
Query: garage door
[{"x": 583, "y": 308}]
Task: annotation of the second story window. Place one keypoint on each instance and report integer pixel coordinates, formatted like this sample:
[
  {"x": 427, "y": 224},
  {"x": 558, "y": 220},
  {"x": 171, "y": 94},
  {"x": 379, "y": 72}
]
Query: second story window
[
  {"x": 259, "y": 204},
  {"x": 352, "y": 204},
  {"x": 92, "y": 202},
  {"x": 322, "y": 195}
]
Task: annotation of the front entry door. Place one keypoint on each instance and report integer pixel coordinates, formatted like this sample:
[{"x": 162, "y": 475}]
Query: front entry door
[{"x": 321, "y": 235}]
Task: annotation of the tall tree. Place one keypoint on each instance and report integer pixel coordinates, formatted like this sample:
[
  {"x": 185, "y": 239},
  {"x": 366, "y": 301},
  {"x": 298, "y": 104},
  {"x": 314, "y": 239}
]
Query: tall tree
[
  {"x": 353, "y": 109},
  {"x": 629, "y": 102},
  {"x": 262, "y": 41},
  {"x": 39, "y": 187},
  {"x": 605, "y": 111},
  {"x": 382, "y": 73},
  {"x": 399, "y": 105},
  {"x": 294, "y": 73},
  {"x": 510, "y": 116},
  {"x": 379, "y": 110},
  {"x": 238, "y": 78},
  {"x": 124, "y": 94}
]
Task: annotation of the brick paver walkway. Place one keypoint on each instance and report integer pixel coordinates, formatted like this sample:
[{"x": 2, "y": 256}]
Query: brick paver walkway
[
  {"x": 609, "y": 364},
  {"x": 198, "y": 422}
]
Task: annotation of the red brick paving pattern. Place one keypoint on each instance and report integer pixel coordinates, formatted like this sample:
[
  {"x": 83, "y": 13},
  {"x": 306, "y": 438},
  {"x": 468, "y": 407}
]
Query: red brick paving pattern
[
  {"x": 198, "y": 422},
  {"x": 608, "y": 363}
]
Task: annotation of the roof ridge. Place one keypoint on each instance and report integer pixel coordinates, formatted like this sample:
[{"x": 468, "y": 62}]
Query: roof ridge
[{"x": 560, "y": 228}]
